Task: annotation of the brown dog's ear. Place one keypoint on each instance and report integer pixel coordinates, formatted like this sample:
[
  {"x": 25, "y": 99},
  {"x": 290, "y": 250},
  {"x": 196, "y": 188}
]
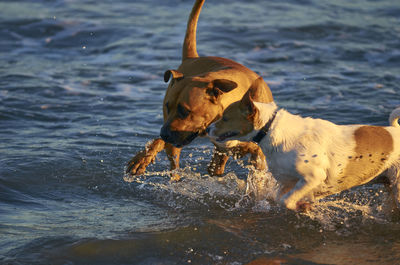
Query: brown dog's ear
[
  {"x": 220, "y": 86},
  {"x": 224, "y": 85},
  {"x": 175, "y": 75},
  {"x": 260, "y": 91}
]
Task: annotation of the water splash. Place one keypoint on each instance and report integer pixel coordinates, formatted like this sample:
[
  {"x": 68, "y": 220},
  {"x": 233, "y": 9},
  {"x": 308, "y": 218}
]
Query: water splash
[
  {"x": 359, "y": 206},
  {"x": 340, "y": 212},
  {"x": 259, "y": 192},
  {"x": 204, "y": 189}
]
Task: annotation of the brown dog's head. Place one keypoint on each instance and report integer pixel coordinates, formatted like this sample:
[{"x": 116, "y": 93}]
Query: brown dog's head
[
  {"x": 192, "y": 103},
  {"x": 200, "y": 89}
]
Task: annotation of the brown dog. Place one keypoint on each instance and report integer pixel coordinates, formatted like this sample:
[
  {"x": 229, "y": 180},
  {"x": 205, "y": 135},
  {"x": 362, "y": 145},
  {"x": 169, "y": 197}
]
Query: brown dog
[{"x": 199, "y": 92}]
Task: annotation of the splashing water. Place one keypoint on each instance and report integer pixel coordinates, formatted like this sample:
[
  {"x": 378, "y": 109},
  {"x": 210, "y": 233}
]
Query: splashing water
[
  {"x": 360, "y": 205},
  {"x": 203, "y": 189},
  {"x": 259, "y": 193}
]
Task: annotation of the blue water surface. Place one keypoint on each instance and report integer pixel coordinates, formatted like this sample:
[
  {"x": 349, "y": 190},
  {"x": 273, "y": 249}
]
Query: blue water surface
[{"x": 81, "y": 90}]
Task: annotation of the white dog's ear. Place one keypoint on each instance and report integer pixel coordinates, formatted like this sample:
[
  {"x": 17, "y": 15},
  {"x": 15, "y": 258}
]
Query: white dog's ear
[
  {"x": 265, "y": 112},
  {"x": 246, "y": 104},
  {"x": 258, "y": 113},
  {"x": 175, "y": 75},
  {"x": 260, "y": 91}
]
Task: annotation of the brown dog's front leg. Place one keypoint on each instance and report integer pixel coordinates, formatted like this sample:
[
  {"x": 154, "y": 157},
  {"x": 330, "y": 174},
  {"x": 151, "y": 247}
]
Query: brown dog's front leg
[
  {"x": 221, "y": 156},
  {"x": 173, "y": 154},
  {"x": 218, "y": 162},
  {"x": 257, "y": 157},
  {"x": 137, "y": 165}
]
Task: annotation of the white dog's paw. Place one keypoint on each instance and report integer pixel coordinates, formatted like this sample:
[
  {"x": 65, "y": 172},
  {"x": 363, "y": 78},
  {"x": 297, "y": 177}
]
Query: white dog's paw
[
  {"x": 290, "y": 204},
  {"x": 302, "y": 206},
  {"x": 299, "y": 206}
]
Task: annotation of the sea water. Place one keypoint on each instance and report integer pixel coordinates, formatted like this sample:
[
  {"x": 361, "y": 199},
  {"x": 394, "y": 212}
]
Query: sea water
[{"x": 81, "y": 90}]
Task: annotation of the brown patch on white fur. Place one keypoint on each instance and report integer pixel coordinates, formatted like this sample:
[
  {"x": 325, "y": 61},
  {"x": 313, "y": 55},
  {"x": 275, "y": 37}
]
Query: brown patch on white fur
[{"x": 373, "y": 147}]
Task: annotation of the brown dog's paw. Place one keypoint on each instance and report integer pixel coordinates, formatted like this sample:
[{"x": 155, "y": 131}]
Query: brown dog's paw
[
  {"x": 303, "y": 207},
  {"x": 137, "y": 165},
  {"x": 217, "y": 163},
  {"x": 215, "y": 170},
  {"x": 175, "y": 177}
]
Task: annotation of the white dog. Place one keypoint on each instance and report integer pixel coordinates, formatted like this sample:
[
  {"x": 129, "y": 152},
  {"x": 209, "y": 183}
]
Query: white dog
[{"x": 313, "y": 158}]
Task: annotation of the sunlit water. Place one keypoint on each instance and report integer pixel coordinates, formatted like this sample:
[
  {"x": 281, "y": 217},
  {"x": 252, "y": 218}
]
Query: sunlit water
[{"x": 81, "y": 92}]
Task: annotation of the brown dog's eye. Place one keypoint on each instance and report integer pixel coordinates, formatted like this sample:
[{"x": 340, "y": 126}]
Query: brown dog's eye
[
  {"x": 224, "y": 119},
  {"x": 182, "y": 111},
  {"x": 214, "y": 92}
]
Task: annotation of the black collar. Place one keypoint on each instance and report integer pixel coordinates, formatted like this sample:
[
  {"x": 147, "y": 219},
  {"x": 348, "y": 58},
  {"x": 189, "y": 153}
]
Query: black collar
[{"x": 264, "y": 130}]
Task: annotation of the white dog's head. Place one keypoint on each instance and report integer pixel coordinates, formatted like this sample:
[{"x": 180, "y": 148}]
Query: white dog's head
[{"x": 242, "y": 120}]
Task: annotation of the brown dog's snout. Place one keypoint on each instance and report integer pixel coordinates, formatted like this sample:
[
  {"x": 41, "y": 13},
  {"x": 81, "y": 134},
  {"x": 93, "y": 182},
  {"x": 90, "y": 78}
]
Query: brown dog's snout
[
  {"x": 177, "y": 138},
  {"x": 166, "y": 133}
]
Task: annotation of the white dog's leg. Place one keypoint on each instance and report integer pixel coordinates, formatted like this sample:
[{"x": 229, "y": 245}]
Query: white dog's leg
[
  {"x": 393, "y": 174},
  {"x": 303, "y": 188}
]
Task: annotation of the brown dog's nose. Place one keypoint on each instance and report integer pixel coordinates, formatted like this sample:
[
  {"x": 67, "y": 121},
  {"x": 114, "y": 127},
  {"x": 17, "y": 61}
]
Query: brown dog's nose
[
  {"x": 177, "y": 138},
  {"x": 165, "y": 134},
  {"x": 172, "y": 137}
]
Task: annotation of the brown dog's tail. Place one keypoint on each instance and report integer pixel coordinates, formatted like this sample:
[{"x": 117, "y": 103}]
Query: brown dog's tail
[{"x": 189, "y": 49}]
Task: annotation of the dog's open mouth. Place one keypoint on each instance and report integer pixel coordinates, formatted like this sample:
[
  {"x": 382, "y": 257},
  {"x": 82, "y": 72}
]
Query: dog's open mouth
[{"x": 226, "y": 135}]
